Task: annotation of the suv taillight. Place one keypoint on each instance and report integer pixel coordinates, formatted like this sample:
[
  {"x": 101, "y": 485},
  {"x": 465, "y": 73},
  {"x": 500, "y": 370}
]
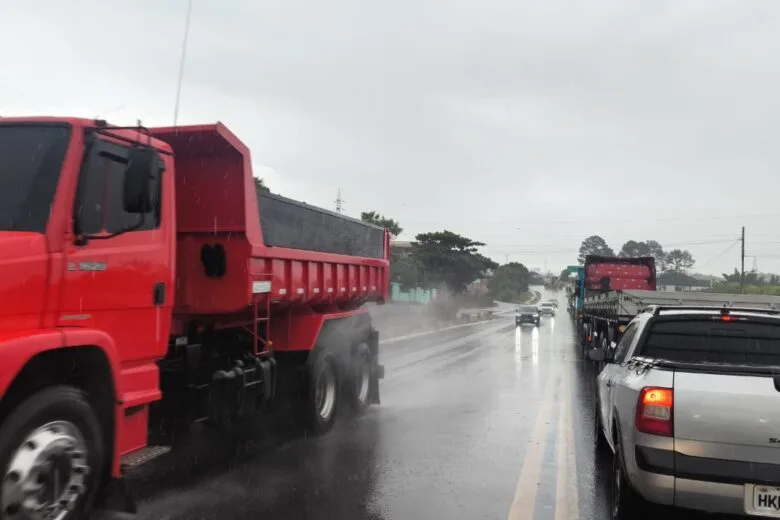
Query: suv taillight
[{"x": 655, "y": 411}]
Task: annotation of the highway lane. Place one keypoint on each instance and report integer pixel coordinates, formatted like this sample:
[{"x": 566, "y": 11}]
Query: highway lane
[{"x": 484, "y": 421}]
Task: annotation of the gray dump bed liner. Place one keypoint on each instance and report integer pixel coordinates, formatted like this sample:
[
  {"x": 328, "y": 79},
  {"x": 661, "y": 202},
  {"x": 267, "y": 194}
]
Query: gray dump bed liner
[{"x": 297, "y": 225}]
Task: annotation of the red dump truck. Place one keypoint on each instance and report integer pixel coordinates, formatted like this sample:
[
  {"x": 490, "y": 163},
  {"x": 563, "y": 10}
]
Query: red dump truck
[{"x": 143, "y": 266}]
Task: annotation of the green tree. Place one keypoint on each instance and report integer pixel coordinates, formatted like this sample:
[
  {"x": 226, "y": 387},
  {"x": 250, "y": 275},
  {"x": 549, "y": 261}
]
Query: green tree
[
  {"x": 535, "y": 278},
  {"x": 594, "y": 245},
  {"x": 678, "y": 260},
  {"x": 406, "y": 270},
  {"x": 564, "y": 275},
  {"x": 450, "y": 259},
  {"x": 634, "y": 249},
  {"x": 509, "y": 283},
  {"x": 372, "y": 217},
  {"x": 260, "y": 184},
  {"x": 656, "y": 251}
]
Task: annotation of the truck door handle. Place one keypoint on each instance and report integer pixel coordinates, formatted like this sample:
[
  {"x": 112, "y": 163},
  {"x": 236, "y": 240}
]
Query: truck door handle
[
  {"x": 609, "y": 383},
  {"x": 159, "y": 293}
]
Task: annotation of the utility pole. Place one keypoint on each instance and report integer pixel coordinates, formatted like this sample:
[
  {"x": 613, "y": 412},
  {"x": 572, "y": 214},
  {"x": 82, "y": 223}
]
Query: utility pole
[
  {"x": 339, "y": 202},
  {"x": 181, "y": 62},
  {"x": 742, "y": 273}
]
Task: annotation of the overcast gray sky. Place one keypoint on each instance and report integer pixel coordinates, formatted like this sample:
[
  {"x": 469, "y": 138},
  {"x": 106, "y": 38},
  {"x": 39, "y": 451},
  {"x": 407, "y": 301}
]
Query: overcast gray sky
[{"x": 524, "y": 124}]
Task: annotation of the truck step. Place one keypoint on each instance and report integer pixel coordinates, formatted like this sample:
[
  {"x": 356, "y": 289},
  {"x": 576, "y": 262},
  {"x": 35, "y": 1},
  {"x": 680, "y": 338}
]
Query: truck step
[{"x": 144, "y": 455}]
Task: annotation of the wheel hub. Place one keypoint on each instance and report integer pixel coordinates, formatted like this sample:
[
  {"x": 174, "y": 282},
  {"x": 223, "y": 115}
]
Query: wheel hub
[
  {"x": 46, "y": 474},
  {"x": 326, "y": 393},
  {"x": 364, "y": 378}
]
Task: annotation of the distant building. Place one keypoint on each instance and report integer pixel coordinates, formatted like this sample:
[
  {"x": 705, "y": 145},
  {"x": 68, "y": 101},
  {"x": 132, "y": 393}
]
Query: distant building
[{"x": 674, "y": 281}]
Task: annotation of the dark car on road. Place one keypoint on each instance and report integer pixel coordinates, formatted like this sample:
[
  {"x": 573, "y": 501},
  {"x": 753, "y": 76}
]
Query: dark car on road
[{"x": 527, "y": 314}]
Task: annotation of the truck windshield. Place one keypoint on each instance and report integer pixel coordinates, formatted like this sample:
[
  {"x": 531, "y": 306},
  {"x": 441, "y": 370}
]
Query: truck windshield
[
  {"x": 31, "y": 158},
  {"x": 714, "y": 341}
]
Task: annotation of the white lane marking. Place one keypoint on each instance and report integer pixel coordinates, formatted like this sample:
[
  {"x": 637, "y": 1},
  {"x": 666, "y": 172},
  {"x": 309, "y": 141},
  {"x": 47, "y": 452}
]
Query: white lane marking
[
  {"x": 566, "y": 498},
  {"x": 428, "y": 332},
  {"x": 528, "y": 484}
]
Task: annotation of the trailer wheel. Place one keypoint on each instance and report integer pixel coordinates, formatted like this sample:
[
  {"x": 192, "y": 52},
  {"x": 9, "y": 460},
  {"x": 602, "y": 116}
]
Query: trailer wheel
[
  {"x": 323, "y": 395},
  {"x": 359, "y": 388},
  {"x": 51, "y": 456}
]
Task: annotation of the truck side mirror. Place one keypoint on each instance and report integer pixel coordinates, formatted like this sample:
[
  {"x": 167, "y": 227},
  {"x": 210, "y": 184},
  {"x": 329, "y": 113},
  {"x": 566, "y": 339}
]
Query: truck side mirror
[
  {"x": 140, "y": 177},
  {"x": 597, "y": 354}
]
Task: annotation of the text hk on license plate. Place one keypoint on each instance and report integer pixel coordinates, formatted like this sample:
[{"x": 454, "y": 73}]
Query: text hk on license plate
[{"x": 766, "y": 501}]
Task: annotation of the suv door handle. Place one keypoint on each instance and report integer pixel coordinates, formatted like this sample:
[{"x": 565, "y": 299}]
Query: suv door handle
[
  {"x": 609, "y": 383},
  {"x": 159, "y": 293}
]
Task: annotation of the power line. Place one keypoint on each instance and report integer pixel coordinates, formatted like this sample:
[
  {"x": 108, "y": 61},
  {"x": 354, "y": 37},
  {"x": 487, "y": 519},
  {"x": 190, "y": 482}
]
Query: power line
[{"x": 719, "y": 255}]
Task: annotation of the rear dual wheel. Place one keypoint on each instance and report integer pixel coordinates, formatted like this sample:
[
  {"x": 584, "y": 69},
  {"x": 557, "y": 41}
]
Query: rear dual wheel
[
  {"x": 322, "y": 398},
  {"x": 331, "y": 381}
]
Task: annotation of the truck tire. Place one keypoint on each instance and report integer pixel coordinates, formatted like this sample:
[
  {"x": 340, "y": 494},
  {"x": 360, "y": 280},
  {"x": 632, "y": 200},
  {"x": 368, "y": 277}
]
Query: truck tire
[
  {"x": 51, "y": 456},
  {"x": 359, "y": 384},
  {"x": 322, "y": 397}
]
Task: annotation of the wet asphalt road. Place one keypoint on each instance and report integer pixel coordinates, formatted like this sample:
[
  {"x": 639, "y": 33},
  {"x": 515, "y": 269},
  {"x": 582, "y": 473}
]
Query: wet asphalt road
[{"x": 483, "y": 421}]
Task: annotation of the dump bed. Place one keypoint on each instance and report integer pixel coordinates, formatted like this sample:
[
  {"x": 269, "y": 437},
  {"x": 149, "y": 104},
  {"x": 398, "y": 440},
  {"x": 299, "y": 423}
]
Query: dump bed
[
  {"x": 622, "y": 306},
  {"x": 238, "y": 245},
  {"x": 611, "y": 273}
]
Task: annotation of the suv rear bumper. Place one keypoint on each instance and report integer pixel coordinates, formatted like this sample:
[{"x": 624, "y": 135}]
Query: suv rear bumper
[{"x": 701, "y": 483}]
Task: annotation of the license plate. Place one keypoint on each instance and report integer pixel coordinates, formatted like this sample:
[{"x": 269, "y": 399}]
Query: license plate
[{"x": 766, "y": 501}]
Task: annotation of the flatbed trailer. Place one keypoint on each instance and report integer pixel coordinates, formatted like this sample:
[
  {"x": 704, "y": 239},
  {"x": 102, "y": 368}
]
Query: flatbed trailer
[{"x": 605, "y": 315}]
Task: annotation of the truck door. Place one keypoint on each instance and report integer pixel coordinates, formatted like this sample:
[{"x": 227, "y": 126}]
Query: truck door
[{"x": 119, "y": 278}]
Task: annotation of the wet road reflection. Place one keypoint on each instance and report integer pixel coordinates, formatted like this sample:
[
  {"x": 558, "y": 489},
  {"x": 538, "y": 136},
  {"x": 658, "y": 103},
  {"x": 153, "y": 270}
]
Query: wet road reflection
[{"x": 487, "y": 421}]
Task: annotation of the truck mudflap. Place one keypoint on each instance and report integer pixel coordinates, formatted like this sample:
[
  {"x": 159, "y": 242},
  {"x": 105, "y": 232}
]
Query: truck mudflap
[{"x": 377, "y": 370}]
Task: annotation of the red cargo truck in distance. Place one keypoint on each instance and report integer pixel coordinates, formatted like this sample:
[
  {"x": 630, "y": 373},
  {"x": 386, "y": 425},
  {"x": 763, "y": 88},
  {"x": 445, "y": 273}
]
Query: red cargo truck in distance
[
  {"x": 142, "y": 266},
  {"x": 605, "y": 277}
]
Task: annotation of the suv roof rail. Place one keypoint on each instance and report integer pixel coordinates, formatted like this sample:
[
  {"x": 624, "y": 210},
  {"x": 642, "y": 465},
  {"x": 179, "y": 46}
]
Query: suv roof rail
[{"x": 725, "y": 309}]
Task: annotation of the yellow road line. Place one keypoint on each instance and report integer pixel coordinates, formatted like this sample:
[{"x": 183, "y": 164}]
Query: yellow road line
[
  {"x": 528, "y": 483},
  {"x": 566, "y": 499}
]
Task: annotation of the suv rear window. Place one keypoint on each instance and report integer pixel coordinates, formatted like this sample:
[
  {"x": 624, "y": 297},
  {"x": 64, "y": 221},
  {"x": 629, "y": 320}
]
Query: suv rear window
[{"x": 714, "y": 341}]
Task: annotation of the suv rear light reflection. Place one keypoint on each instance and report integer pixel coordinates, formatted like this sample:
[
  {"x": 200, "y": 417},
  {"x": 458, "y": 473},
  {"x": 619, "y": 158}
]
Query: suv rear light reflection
[{"x": 655, "y": 411}]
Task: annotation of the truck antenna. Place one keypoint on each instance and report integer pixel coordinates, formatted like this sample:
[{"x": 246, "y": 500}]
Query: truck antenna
[{"x": 181, "y": 62}]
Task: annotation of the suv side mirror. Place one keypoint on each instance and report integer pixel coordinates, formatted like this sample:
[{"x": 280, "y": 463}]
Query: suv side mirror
[
  {"x": 140, "y": 176},
  {"x": 597, "y": 354}
]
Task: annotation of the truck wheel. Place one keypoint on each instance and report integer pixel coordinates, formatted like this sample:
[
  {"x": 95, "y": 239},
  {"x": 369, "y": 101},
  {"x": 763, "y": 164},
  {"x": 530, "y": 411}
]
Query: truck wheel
[
  {"x": 51, "y": 456},
  {"x": 360, "y": 383},
  {"x": 626, "y": 503},
  {"x": 323, "y": 394}
]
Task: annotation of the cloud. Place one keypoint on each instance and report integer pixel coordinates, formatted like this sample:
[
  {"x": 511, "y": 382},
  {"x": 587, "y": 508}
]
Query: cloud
[{"x": 489, "y": 118}]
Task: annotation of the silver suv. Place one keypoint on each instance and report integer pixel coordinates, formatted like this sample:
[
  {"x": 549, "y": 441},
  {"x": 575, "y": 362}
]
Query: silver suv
[{"x": 689, "y": 404}]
